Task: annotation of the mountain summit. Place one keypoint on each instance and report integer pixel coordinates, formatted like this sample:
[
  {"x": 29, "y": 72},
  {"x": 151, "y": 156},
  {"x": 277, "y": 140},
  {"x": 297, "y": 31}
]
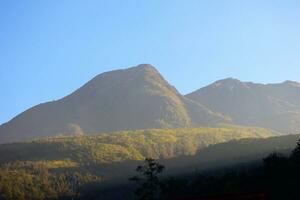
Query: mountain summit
[
  {"x": 273, "y": 106},
  {"x": 134, "y": 98},
  {"x": 140, "y": 98}
]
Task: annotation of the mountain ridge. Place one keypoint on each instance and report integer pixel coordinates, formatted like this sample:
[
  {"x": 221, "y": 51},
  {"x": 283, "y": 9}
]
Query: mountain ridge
[
  {"x": 275, "y": 106},
  {"x": 140, "y": 98},
  {"x": 134, "y": 98}
]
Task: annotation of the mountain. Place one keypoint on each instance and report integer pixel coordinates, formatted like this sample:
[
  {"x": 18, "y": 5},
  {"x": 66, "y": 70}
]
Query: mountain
[
  {"x": 134, "y": 98},
  {"x": 274, "y": 106},
  {"x": 140, "y": 98}
]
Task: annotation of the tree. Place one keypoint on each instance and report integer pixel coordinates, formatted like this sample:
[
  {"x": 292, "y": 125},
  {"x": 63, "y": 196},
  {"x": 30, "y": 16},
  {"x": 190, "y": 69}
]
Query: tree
[
  {"x": 295, "y": 156},
  {"x": 150, "y": 185},
  {"x": 275, "y": 162}
]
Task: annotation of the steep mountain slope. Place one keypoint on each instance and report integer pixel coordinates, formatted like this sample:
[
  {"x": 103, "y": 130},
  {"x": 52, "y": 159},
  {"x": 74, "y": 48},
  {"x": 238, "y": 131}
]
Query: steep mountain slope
[
  {"x": 135, "y": 98},
  {"x": 275, "y": 106}
]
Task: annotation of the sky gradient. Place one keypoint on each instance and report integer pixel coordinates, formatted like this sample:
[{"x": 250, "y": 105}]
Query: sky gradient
[{"x": 50, "y": 48}]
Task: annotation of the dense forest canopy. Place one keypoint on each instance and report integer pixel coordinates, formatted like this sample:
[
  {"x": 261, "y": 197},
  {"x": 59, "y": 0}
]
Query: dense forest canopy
[
  {"x": 68, "y": 166},
  {"x": 125, "y": 145}
]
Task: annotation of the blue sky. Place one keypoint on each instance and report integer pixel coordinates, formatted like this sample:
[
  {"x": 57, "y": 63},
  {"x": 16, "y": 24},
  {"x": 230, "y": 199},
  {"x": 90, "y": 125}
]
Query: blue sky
[{"x": 50, "y": 48}]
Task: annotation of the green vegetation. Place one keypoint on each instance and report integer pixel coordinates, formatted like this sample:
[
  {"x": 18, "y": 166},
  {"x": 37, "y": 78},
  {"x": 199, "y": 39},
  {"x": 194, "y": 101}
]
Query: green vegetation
[
  {"x": 25, "y": 180},
  {"x": 125, "y": 145},
  {"x": 148, "y": 179},
  {"x": 59, "y": 167}
]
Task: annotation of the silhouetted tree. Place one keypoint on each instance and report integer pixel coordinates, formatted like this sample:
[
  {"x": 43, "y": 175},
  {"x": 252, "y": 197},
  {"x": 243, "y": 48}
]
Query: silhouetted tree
[
  {"x": 275, "y": 162},
  {"x": 295, "y": 156},
  {"x": 149, "y": 183}
]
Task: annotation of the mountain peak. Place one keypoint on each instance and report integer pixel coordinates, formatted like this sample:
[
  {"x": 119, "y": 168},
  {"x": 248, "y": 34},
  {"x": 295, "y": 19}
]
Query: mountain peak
[
  {"x": 292, "y": 83},
  {"x": 138, "y": 68},
  {"x": 114, "y": 77},
  {"x": 228, "y": 82},
  {"x": 127, "y": 99},
  {"x": 275, "y": 106},
  {"x": 143, "y": 67}
]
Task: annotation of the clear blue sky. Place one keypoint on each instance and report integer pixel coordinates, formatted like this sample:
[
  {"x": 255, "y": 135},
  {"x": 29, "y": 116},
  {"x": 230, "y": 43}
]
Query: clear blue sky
[{"x": 50, "y": 48}]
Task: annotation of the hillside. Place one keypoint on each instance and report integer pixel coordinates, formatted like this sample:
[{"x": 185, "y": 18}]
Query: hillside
[
  {"x": 96, "y": 159},
  {"x": 244, "y": 169},
  {"x": 125, "y": 145},
  {"x": 130, "y": 99},
  {"x": 273, "y": 106},
  {"x": 233, "y": 152}
]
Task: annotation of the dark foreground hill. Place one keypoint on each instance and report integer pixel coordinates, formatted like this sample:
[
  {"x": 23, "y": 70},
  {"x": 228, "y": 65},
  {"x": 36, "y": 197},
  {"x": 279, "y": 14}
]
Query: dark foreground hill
[
  {"x": 273, "y": 106},
  {"x": 47, "y": 168},
  {"x": 130, "y": 99}
]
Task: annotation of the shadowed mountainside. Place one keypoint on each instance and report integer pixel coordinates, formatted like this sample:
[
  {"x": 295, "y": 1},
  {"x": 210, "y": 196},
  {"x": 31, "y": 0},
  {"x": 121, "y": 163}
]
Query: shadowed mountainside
[
  {"x": 112, "y": 158},
  {"x": 274, "y": 106}
]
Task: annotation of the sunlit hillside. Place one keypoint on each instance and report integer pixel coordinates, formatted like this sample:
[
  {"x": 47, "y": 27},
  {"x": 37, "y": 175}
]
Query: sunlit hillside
[
  {"x": 125, "y": 145},
  {"x": 50, "y": 166}
]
